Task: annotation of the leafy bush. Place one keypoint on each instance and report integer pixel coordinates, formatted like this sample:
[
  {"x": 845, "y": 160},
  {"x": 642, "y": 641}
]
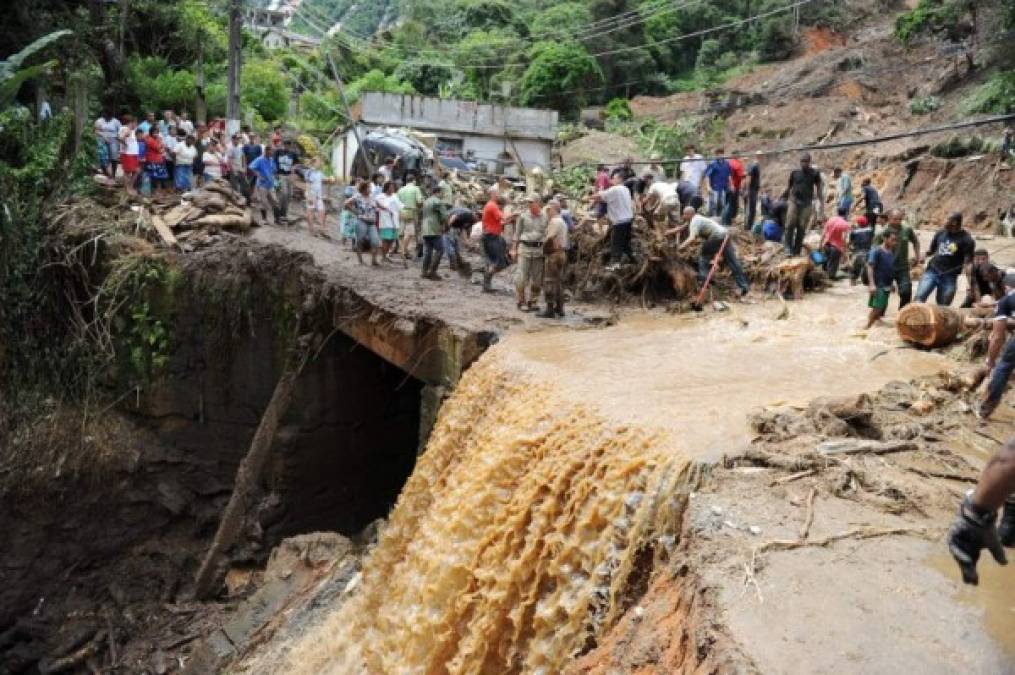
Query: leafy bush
[
  {"x": 997, "y": 95},
  {"x": 618, "y": 109},
  {"x": 930, "y": 16},
  {"x": 559, "y": 67},
  {"x": 924, "y": 105},
  {"x": 264, "y": 89}
]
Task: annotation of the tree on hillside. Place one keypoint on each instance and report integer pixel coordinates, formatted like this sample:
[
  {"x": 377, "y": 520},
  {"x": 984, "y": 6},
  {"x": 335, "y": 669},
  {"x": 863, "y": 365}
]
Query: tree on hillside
[
  {"x": 557, "y": 76},
  {"x": 481, "y": 53}
]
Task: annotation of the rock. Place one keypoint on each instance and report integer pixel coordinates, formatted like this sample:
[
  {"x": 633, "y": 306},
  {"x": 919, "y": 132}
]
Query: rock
[{"x": 306, "y": 550}]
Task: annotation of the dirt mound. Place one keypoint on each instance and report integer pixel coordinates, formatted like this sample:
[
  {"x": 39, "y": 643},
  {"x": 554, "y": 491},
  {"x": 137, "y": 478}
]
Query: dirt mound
[
  {"x": 599, "y": 147},
  {"x": 820, "y": 38}
]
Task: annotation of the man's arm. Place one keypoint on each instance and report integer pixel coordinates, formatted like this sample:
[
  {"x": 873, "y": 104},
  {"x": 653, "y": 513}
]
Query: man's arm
[
  {"x": 916, "y": 243},
  {"x": 789, "y": 186}
]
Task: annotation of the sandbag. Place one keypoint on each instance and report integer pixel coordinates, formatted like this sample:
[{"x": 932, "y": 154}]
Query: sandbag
[{"x": 928, "y": 325}]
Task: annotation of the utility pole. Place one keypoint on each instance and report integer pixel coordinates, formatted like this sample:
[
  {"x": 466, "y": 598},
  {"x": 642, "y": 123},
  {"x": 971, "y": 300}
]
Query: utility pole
[
  {"x": 348, "y": 112},
  {"x": 235, "y": 65}
]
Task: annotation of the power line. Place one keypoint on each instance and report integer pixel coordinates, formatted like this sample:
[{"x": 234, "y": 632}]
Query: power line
[{"x": 840, "y": 144}]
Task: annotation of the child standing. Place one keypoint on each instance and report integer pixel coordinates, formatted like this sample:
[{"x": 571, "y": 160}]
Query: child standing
[
  {"x": 880, "y": 276},
  {"x": 128, "y": 155}
]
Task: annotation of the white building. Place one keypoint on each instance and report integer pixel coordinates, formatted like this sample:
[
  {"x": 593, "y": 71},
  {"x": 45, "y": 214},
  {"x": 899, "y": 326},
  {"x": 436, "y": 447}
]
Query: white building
[{"x": 493, "y": 135}]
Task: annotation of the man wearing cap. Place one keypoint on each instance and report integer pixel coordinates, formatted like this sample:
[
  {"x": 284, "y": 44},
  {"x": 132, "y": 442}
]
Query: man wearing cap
[
  {"x": 554, "y": 247},
  {"x": 986, "y": 279},
  {"x": 803, "y": 184},
  {"x": 952, "y": 249},
  {"x": 530, "y": 234}
]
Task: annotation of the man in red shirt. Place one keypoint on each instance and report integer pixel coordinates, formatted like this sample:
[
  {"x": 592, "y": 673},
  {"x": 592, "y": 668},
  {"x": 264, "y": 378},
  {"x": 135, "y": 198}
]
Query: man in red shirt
[
  {"x": 833, "y": 241},
  {"x": 494, "y": 246},
  {"x": 737, "y": 174}
]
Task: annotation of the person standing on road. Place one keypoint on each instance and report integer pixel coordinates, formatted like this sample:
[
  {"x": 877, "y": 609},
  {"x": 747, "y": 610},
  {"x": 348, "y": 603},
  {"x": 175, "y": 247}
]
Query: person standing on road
[
  {"x": 263, "y": 201},
  {"x": 751, "y": 191},
  {"x": 554, "y": 248},
  {"x": 952, "y": 249},
  {"x": 986, "y": 279},
  {"x": 528, "y": 251},
  {"x": 364, "y": 208},
  {"x": 411, "y": 198},
  {"x": 434, "y": 214},
  {"x": 713, "y": 234},
  {"x": 904, "y": 236},
  {"x": 390, "y": 210},
  {"x": 880, "y": 276},
  {"x": 804, "y": 184},
  {"x": 492, "y": 242},
  {"x": 314, "y": 196},
  {"x": 620, "y": 214},
  {"x": 285, "y": 159},
  {"x": 833, "y": 241},
  {"x": 843, "y": 189},
  {"x": 718, "y": 173}
]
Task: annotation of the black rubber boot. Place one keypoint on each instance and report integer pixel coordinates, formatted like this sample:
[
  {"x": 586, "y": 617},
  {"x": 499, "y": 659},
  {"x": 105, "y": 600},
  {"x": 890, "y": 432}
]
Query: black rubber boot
[{"x": 1006, "y": 529}]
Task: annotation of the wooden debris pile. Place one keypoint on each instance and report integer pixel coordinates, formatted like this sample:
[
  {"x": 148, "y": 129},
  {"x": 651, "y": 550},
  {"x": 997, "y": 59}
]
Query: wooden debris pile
[{"x": 198, "y": 216}]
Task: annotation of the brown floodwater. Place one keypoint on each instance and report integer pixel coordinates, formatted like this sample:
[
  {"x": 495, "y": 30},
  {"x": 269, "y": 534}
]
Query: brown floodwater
[
  {"x": 995, "y": 595},
  {"x": 700, "y": 379}
]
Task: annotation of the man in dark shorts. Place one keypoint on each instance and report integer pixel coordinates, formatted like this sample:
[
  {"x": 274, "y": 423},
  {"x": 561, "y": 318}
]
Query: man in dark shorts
[
  {"x": 952, "y": 248},
  {"x": 804, "y": 185},
  {"x": 860, "y": 241},
  {"x": 881, "y": 276},
  {"x": 494, "y": 246},
  {"x": 871, "y": 201},
  {"x": 753, "y": 187},
  {"x": 986, "y": 278},
  {"x": 460, "y": 223}
]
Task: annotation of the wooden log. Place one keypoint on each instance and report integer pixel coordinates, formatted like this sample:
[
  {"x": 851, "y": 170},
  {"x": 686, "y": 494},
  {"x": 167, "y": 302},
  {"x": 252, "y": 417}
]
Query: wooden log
[
  {"x": 248, "y": 474},
  {"x": 856, "y": 446},
  {"x": 164, "y": 231},
  {"x": 224, "y": 221},
  {"x": 929, "y": 325}
]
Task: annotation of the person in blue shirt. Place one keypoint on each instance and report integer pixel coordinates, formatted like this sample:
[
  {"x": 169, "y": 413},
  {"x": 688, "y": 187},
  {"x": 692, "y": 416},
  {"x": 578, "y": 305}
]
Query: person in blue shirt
[
  {"x": 718, "y": 173},
  {"x": 264, "y": 201},
  {"x": 1000, "y": 369},
  {"x": 881, "y": 276}
]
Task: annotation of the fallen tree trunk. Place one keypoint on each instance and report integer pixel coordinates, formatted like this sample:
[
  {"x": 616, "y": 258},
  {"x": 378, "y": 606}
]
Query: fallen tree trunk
[
  {"x": 854, "y": 446},
  {"x": 249, "y": 473}
]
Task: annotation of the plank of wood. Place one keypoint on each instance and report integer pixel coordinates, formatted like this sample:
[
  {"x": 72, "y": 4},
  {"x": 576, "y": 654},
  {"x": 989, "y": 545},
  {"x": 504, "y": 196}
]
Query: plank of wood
[
  {"x": 855, "y": 446},
  {"x": 164, "y": 231}
]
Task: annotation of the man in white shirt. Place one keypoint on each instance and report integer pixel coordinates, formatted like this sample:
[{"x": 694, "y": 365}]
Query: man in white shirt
[
  {"x": 620, "y": 213},
  {"x": 692, "y": 167},
  {"x": 700, "y": 227},
  {"x": 663, "y": 200},
  {"x": 185, "y": 124}
]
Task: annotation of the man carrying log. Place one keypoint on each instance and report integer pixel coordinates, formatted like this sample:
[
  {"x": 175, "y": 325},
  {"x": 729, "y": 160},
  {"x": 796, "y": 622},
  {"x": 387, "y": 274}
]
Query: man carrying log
[
  {"x": 976, "y": 527},
  {"x": 716, "y": 239},
  {"x": 1000, "y": 368},
  {"x": 952, "y": 249},
  {"x": 986, "y": 279}
]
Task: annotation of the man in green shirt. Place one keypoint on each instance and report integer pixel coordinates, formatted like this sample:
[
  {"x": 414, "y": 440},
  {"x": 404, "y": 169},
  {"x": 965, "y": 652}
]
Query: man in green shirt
[
  {"x": 434, "y": 213},
  {"x": 906, "y": 236},
  {"x": 411, "y": 197}
]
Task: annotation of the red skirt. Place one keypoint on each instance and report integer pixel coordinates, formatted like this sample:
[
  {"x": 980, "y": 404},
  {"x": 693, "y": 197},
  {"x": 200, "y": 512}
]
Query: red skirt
[{"x": 129, "y": 163}]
